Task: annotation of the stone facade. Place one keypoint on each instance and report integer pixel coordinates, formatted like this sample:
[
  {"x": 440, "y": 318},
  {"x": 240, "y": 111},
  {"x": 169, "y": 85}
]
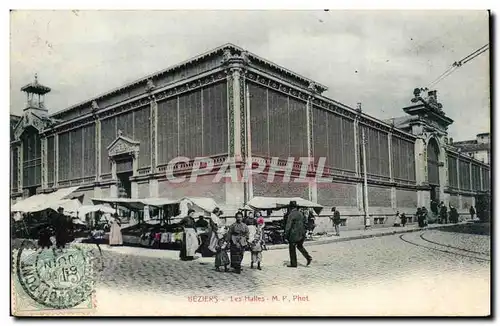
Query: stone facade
[{"x": 229, "y": 103}]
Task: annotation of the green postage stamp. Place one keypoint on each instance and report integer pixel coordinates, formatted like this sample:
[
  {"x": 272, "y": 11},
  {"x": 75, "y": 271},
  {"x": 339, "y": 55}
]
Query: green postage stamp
[{"x": 54, "y": 282}]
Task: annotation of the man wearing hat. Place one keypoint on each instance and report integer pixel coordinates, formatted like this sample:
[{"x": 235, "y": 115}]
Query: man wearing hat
[
  {"x": 295, "y": 233},
  {"x": 336, "y": 220},
  {"x": 61, "y": 228}
]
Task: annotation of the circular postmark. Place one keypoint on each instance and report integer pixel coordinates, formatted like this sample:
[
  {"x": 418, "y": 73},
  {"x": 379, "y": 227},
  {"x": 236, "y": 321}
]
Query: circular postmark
[{"x": 59, "y": 279}]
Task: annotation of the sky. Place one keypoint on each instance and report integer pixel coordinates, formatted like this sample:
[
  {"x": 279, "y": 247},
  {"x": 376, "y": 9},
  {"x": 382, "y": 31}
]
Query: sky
[{"x": 373, "y": 57}]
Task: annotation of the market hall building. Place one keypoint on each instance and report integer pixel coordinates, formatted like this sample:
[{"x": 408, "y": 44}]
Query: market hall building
[{"x": 231, "y": 103}]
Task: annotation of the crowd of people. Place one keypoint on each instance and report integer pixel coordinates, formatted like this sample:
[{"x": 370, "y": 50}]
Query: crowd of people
[{"x": 228, "y": 244}]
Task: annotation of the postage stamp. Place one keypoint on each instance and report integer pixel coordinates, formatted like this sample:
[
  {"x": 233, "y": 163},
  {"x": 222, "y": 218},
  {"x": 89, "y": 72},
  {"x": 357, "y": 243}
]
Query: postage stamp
[{"x": 54, "y": 281}]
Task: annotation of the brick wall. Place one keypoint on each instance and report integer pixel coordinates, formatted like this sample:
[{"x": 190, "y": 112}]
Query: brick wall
[
  {"x": 203, "y": 187},
  {"x": 278, "y": 188},
  {"x": 143, "y": 190},
  {"x": 406, "y": 198},
  {"x": 379, "y": 197},
  {"x": 337, "y": 194}
]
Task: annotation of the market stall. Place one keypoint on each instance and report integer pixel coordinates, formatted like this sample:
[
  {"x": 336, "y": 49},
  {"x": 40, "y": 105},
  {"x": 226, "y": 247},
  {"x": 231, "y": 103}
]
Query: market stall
[
  {"x": 159, "y": 226},
  {"x": 274, "y": 229}
]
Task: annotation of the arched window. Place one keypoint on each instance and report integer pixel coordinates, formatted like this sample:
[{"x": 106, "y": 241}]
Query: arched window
[
  {"x": 32, "y": 158},
  {"x": 433, "y": 162}
]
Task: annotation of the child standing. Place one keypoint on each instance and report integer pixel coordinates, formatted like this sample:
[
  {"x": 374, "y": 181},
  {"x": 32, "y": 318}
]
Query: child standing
[
  {"x": 221, "y": 257},
  {"x": 258, "y": 244}
]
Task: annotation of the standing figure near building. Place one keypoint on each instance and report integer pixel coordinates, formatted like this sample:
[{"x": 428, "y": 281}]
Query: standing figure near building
[
  {"x": 189, "y": 238},
  {"x": 472, "y": 212},
  {"x": 221, "y": 257},
  {"x": 397, "y": 221},
  {"x": 336, "y": 220},
  {"x": 443, "y": 214},
  {"x": 403, "y": 219},
  {"x": 61, "y": 228},
  {"x": 237, "y": 236},
  {"x": 115, "y": 234},
  {"x": 257, "y": 245},
  {"x": 420, "y": 217},
  {"x": 295, "y": 233}
]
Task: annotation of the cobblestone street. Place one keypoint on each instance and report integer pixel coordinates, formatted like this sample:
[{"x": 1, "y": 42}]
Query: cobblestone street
[{"x": 445, "y": 269}]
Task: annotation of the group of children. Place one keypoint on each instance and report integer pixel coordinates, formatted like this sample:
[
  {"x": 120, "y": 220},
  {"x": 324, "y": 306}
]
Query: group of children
[{"x": 256, "y": 246}]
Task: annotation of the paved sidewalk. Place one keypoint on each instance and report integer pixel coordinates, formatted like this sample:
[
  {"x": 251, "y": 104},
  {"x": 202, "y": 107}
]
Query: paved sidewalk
[{"x": 317, "y": 240}]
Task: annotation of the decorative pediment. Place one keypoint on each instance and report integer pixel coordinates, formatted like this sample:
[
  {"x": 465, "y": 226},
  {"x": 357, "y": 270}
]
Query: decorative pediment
[
  {"x": 123, "y": 145},
  {"x": 29, "y": 119},
  {"x": 428, "y": 109}
]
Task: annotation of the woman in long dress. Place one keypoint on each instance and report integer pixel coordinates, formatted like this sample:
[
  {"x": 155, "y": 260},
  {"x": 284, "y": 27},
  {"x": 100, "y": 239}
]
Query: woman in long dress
[
  {"x": 237, "y": 236},
  {"x": 115, "y": 234},
  {"x": 189, "y": 238}
]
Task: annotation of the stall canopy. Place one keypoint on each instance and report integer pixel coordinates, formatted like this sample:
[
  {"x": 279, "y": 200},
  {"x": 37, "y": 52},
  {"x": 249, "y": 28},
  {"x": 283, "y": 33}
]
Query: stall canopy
[
  {"x": 69, "y": 205},
  {"x": 134, "y": 204},
  {"x": 275, "y": 203},
  {"x": 42, "y": 202},
  {"x": 85, "y": 209},
  {"x": 206, "y": 204}
]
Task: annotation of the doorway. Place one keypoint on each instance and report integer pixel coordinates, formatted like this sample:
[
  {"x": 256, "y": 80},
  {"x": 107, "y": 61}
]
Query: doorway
[{"x": 124, "y": 185}]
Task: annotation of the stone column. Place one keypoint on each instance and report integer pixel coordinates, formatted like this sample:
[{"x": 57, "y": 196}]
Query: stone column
[
  {"x": 359, "y": 196},
  {"x": 98, "y": 149},
  {"x": 43, "y": 151},
  {"x": 480, "y": 176},
  {"x": 391, "y": 172},
  {"x": 56, "y": 160},
  {"x": 153, "y": 127},
  {"x": 235, "y": 112},
  {"x": 97, "y": 192},
  {"x": 153, "y": 188},
  {"x": 235, "y": 191},
  {"x": 113, "y": 190},
  {"x": 134, "y": 189},
  {"x": 20, "y": 168},
  {"x": 420, "y": 161},
  {"x": 356, "y": 147},
  {"x": 470, "y": 177},
  {"x": 135, "y": 163},
  {"x": 248, "y": 142},
  {"x": 459, "y": 185},
  {"x": 313, "y": 186}
]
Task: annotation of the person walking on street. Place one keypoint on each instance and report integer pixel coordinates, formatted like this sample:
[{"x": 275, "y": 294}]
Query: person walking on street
[
  {"x": 472, "y": 212},
  {"x": 295, "y": 234},
  {"x": 237, "y": 236},
  {"x": 336, "y": 220},
  {"x": 257, "y": 245}
]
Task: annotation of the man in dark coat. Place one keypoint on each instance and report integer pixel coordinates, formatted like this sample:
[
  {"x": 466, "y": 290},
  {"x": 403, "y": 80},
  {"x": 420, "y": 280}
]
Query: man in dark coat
[
  {"x": 336, "y": 220},
  {"x": 295, "y": 233},
  {"x": 472, "y": 212},
  {"x": 61, "y": 228}
]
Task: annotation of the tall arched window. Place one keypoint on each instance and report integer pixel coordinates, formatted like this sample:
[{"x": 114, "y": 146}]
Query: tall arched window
[
  {"x": 433, "y": 162},
  {"x": 32, "y": 158}
]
